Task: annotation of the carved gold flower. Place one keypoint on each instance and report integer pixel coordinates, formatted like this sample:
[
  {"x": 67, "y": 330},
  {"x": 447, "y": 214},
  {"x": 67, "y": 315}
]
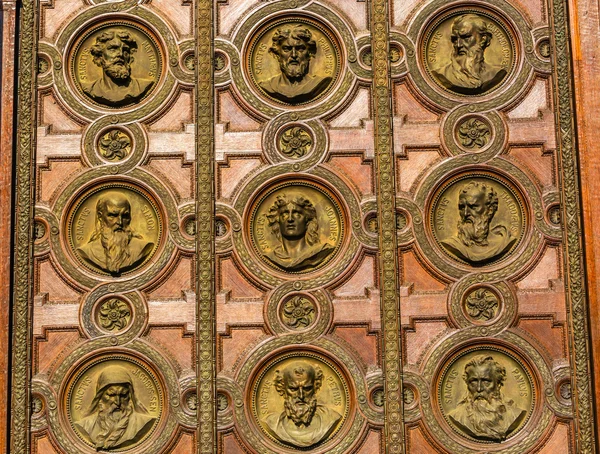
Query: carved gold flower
[
  {"x": 295, "y": 142},
  {"x": 114, "y": 314},
  {"x": 298, "y": 312},
  {"x": 115, "y": 145},
  {"x": 474, "y": 133},
  {"x": 482, "y": 304}
]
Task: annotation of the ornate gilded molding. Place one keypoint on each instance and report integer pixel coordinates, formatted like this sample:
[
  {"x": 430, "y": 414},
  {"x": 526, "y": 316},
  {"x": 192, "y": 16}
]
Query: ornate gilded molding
[
  {"x": 23, "y": 252},
  {"x": 382, "y": 115},
  {"x": 571, "y": 223},
  {"x": 205, "y": 247}
]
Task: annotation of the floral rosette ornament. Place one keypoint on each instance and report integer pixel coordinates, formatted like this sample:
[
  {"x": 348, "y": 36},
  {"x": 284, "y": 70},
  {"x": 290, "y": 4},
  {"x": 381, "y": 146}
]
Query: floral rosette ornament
[
  {"x": 298, "y": 312},
  {"x": 482, "y": 304},
  {"x": 115, "y": 145},
  {"x": 474, "y": 133},
  {"x": 295, "y": 142},
  {"x": 114, "y": 315}
]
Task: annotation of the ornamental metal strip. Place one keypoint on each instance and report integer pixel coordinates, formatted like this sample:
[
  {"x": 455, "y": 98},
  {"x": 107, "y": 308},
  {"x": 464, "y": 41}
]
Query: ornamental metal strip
[
  {"x": 23, "y": 239},
  {"x": 386, "y": 211},
  {"x": 205, "y": 247},
  {"x": 577, "y": 302}
]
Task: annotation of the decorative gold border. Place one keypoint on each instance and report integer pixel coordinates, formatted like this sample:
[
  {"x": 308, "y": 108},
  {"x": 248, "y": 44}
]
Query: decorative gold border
[
  {"x": 574, "y": 260},
  {"x": 386, "y": 210},
  {"x": 205, "y": 236},
  {"x": 23, "y": 247}
]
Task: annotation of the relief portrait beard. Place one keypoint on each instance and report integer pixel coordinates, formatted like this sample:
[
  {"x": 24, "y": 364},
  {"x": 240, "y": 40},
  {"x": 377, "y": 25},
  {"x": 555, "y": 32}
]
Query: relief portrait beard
[
  {"x": 484, "y": 413},
  {"x": 113, "y": 53},
  {"x": 294, "y": 223},
  {"x": 468, "y": 73},
  {"x": 293, "y": 48},
  {"x": 475, "y": 242},
  {"x": 113, "y": 246},
  {"x": 304, "y": 422},
  {"x": 115, "y": 418}
]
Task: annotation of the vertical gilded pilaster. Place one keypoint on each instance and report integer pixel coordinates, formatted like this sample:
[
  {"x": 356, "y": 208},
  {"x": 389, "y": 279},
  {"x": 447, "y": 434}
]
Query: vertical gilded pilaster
[
  {"x": 23, "y": 245},
  {"x": 205, "y": 304},
  {"x": 386, "y": 207},
  {"x": 577, "y": 302}
]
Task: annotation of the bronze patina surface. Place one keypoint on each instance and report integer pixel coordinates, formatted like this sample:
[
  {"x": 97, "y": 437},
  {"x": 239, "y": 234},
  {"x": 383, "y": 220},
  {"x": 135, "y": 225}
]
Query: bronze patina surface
[
  {"x": 114, "y": 404},
  {"x": 114, "y": 229},
  {"x": 477, "y": 219},
  {"x": 469, "y": 52},
  {"x": 296, "y": 227},
  {"x": 293, "y": 60},
  {"x": 300, "y": 401},
  {"x": 486, "y": 395},
  {"x": 116, "y": 64}
]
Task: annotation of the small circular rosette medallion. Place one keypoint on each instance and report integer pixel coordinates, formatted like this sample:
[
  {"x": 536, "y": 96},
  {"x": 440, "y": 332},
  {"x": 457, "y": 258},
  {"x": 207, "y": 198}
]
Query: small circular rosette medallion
[
  {"x": 114, "y": 404},
  {"x": 478, "y": 218},
  {"x": 486, "y": 394},
  {"x": 116, "y": 64},
  {"x": 114, "y": 229},
  {"x": 293, "y": 61},
  {"x": 300, "y": 400},
  {"x": 469, "y": 52},
  {"x": 296, "y": 227}
]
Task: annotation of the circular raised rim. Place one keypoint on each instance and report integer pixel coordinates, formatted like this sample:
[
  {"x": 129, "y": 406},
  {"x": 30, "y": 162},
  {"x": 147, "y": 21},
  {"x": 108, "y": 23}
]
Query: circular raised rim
[
  {"x": 456, "y": 11},
  {"x": 270, "y": 25},
  {"x": 121, "y": 22},
  {"x": 316, "y": 186},
  {"x": 82, "y": 197}
]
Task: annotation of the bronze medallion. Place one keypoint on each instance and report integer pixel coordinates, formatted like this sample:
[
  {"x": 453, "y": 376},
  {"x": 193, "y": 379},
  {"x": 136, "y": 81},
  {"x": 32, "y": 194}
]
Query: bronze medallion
[
  {"x": 478, "y": 219},
  {"x": 469, "y": 52},
  {"x": 486, "y": 394},
  {"x": 293, "y": 61},
  {"x": 296, "y": 227},
  {"x": 300, "y": 400},
  {"x": 114, "y": 404},
  {"x": 114, "y": 229},
  {"x": 114, "y": 314},
  {"x": 116, "y": 64}
]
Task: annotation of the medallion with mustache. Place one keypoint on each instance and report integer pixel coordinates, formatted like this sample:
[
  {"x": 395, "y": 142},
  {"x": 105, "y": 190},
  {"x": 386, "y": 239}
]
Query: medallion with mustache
[
  {"x": 484, "y": 413},
  {"x": 114, "y": 246}
]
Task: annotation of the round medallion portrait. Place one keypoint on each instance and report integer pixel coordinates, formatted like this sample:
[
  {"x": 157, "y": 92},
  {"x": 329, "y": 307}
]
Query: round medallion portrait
[
  {"x": 294, "y": 61},
  {"x": 300, "y": 400},
  {"x": 486, "y": 394},
  {"x": 116, "y": 64},
  {"x": 296, "y": 227},
  {"x": 469, "y": 52},
  {"x": 114, "y": 229},
  {"x": 114, "y": 404},
  {"x": 478, "y": 218}
]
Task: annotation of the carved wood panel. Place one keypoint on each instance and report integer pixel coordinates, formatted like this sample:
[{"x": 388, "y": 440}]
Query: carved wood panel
[{"x": 298, "y": 226}]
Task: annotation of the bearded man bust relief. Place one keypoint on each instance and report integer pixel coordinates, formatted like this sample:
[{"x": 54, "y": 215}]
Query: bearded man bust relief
[
  {"x": 475, "y": 241},
  {"x": 468, "y": 73},
  {"x": 484, "y": 413},
  {"x": 293, "y": 48},
  {"x": 114, "y": 247},
  {"x": 304, "y": 421},
  {"x": 113, "y": 52},
  {"x": 115, "y": 418}
]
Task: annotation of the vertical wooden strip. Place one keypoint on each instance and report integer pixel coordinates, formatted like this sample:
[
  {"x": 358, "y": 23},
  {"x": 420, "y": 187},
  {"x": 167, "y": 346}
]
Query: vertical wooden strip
[
  {"x": 7, "y": 28},
  {"x": 23, "y": 255},
  {"x": 572, "y": 220},
  {"x": 386, "y": 206},
  {"x": 205, "y": 303}
]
